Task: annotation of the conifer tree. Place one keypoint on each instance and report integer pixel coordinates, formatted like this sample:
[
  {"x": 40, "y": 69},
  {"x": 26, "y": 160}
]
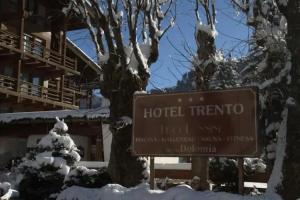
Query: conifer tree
[{"x": 44, "y": 168}]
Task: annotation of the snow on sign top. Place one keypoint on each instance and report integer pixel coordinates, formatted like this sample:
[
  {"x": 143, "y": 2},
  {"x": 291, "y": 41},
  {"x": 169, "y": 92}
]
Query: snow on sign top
[{"x": 212, "y": 123}]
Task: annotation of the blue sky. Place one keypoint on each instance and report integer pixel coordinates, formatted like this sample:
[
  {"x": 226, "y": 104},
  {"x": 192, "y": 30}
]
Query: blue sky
[
  {"x": 173, "y": 62},
  {"x": 233, "y": 35}
]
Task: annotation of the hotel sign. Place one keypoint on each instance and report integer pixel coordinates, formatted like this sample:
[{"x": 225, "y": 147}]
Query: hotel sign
[{"x": 212, "y": 123}]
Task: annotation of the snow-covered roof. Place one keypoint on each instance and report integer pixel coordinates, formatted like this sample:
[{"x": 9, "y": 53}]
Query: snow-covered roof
[
  {"x": 83, "y": 56},
  {"x": 102, "y": 112}
]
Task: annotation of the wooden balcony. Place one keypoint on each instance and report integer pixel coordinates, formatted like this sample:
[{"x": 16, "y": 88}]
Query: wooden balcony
[
  {"x": 35, "y": 52},
  {"x": 65, "y": 98}
]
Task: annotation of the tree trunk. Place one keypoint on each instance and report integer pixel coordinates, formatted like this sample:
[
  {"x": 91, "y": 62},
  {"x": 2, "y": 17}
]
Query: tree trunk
[
  {"x": 291, "y": 166},
  {"x": 124, "y": 168},
  {"x": 204, "y": 71}
]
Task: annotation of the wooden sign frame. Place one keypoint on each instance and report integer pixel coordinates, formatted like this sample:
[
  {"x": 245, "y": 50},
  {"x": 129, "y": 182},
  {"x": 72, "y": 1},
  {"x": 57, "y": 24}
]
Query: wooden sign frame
[{"x": 176, "y": 111}]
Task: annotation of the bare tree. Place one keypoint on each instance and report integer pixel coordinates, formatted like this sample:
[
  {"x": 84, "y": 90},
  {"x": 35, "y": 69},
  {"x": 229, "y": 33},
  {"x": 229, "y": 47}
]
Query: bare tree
[
  {"x": 126, "y": 34},
  {"x": 204, "y": 63}
]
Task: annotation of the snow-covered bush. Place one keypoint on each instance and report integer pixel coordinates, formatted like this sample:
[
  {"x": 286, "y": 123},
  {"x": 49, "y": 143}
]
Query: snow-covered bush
[
  {"x": 254, "y": 165},
  {"x": 44, "y": 168},
  {"x": 5, "y": 190},
  {"x": 90, "y": 178},
  {"x": 223, "y": 171},
  {"x": 226, "y": 74}
]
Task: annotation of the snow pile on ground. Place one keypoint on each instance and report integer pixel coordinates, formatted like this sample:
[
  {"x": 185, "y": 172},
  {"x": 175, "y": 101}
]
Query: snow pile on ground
[
  {"x": 142, "y": 192},
  {"x": 90, "y": 178}
]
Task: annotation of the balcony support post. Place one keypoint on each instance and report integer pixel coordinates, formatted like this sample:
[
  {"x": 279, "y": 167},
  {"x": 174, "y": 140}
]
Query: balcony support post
[
  {"x": 64, "y": 43},
  {"x": 19, "y": 79},
  {"x": 62, "y": 82},
  {"x": 22, "y": 24},
  {"x": 75, "y": 64},
  {"x": 74, "y": 98}
]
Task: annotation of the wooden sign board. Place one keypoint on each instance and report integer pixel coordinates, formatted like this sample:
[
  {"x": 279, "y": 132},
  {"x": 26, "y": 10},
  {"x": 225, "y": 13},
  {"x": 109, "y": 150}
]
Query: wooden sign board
[{"x": 211, "y": 123}]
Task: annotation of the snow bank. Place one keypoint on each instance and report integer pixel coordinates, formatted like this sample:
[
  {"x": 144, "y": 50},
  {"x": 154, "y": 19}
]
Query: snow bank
[
  {"x": 276, "y": 176},
  {"x": 142, "y": 192}
]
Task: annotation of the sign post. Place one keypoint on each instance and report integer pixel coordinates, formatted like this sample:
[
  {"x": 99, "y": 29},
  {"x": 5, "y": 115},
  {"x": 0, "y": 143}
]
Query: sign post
[
  {"x": 152, "y": 173},
  {"x": 241, "y": 175},
  {"x": 200, "y": 169}
]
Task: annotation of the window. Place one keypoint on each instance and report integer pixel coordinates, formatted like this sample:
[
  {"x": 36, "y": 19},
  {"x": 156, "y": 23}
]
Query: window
[
  {"x": 27, "y": 46},
  {"x": 38, "y": 47},
  {"x": 24, "y": 82},
  {"x": 35, "y": 89},
  {"x": 34, "y": 45},
  {"x": 8, "y": 70}
]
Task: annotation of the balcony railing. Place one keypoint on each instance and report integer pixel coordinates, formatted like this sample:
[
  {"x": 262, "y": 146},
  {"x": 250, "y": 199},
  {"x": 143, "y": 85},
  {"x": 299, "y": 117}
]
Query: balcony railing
[
  {"x": 29, "y": 90},
  {"x": 36, "y": 49}
]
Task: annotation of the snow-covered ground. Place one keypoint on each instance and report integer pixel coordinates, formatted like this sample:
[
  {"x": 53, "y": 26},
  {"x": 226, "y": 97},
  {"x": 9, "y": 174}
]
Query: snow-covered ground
[{"x": 142, "y": 192}]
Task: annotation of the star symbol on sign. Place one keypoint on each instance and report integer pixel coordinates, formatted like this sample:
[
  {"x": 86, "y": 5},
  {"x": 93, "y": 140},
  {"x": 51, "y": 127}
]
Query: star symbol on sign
[
  {"x": 190, "y": 99},
  {"x": 179, "y": 100},
  {"x": 201, "y": 98}
]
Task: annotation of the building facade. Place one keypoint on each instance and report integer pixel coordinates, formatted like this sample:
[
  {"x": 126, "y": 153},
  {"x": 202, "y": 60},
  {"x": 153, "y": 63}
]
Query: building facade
[{"x": 40, "y": 69}]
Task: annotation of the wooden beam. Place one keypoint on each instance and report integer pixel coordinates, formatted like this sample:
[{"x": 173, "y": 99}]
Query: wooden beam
[
  {"x": 7, "y": 54},
  {"x": 36, "y": 64}
]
